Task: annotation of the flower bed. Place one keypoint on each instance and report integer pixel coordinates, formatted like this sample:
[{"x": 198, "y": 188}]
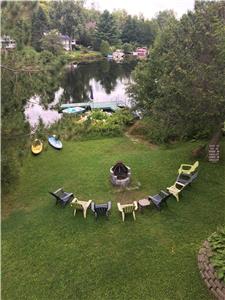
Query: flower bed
[{"x": 211, "y": 262}]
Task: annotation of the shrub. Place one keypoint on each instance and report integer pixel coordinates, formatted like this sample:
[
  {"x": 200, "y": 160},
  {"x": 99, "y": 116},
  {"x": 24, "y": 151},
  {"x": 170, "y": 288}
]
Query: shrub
[
  {"x": 217, "y": 243},
  {"x": 104, "y": 47},
  {"x": 98, "y": 124}
]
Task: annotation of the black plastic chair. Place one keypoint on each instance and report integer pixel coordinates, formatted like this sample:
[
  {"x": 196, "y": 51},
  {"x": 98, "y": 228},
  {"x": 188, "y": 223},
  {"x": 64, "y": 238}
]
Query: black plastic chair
[
  {"x": 159, "y": 199},
  {"x": 62, "y": 197},
  {"x": 101, "y": 209},
  {"x": 186, "y": 179}
]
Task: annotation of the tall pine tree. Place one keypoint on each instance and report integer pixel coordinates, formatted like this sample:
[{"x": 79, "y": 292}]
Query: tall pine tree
[
  {"x": 39, "y": 26},
  {"x": 107, "y": 29}
]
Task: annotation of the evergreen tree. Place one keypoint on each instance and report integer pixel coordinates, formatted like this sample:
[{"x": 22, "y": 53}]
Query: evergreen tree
[
  {"x": 39, "y": 26},
  {"x": 129, "y": 33},
  {"x": 107, "y": 29}
]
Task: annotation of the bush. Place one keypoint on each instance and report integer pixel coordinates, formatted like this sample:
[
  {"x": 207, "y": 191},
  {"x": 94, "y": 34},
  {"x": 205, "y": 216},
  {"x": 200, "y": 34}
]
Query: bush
[
  {"x": 217, "y": 243},
  {"x": 96, "y": 124},
  {"x": 104, "y": 48}
]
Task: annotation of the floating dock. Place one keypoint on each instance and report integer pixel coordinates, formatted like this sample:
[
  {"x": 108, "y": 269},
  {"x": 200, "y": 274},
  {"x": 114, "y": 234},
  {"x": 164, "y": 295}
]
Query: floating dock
[{"x": 105, "y": 106}]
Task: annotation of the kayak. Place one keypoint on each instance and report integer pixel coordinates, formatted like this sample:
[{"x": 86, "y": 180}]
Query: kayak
[
  {"x": 73, "y": 110},
  {"x": 36, "y": 147},
  {"x": 55, "y": 142}
]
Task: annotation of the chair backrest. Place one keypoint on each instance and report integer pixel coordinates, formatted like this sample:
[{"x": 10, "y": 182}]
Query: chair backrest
[
  {"x": 54, "y": 195},
  {"x": 76, "y": 205},
  {"x": 101, "y": 209},
  {"x": 128, "y": 208},
  {"x": 195, "y": 166}
]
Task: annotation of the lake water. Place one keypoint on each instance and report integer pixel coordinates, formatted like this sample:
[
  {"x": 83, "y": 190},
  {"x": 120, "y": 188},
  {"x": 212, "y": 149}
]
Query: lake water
[{"x": 98, "y": 81}]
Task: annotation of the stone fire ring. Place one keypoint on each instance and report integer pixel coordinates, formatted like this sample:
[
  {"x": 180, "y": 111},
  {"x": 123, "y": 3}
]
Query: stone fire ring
[
  {"x": 208, "y": 273},
  {"x": 120, "y": 182}
]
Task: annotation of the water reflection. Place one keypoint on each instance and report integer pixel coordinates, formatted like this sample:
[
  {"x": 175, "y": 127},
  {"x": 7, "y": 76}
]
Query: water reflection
[
  {"x": 34, "y": 111},
  {"x": 97, "y": 81}
]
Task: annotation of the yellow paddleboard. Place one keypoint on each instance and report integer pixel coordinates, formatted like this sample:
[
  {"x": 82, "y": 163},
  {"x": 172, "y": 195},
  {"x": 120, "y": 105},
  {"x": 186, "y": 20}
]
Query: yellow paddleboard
[{"x": 36, "y": 147}]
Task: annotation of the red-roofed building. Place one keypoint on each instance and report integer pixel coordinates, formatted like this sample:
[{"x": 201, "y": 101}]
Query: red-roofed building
[{"x": 142, "y": 52}]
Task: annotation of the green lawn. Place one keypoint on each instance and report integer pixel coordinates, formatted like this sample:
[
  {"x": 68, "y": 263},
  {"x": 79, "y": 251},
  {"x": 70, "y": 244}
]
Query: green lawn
[{"x": 49, "y": 254}]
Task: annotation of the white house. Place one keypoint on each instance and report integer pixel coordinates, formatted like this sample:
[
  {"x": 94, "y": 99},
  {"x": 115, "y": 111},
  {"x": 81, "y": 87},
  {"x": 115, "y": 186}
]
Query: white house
[
  {"x": 7, "y": 43},
  {"x": 67, "y": 43},
  {"x": 118, "y": 55}
]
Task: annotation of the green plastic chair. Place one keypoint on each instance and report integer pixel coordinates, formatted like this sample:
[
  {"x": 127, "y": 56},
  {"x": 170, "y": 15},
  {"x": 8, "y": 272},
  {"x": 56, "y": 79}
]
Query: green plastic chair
[
  {"x": 128, "y": 209},
  {"x": 175, "y": 189},
  {"x": 188, "y": 169}
]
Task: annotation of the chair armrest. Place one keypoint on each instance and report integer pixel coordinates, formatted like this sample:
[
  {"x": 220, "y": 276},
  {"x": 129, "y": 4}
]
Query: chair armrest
[
  {"x": 93, "y": 206},
  {"x": 180, "y": 183},
  {"x": 73, "y": 201},
  {"x": 164, "y": 193},
  {"x": 88, "y": 203},
  {"x": 119, "y": 207},
  {"x": 59, "y": 190},
  {"x": 135, "y": 205},
  {"x": 67, "y": 196},
  {"x": 109, "y": 205}
]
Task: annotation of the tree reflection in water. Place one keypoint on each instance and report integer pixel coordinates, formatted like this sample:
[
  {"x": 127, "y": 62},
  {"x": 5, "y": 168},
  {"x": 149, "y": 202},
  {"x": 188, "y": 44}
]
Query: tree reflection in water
[{"x": 95, "y": 81}]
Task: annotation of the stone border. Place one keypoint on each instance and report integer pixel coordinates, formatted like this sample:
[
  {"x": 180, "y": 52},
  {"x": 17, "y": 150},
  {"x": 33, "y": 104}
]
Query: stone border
[
  {"x": 216, "y": 286},
  {"x": 120, "y": 182}
]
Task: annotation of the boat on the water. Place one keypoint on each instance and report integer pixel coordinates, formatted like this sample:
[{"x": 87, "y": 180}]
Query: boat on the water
[
  {"x": 73, "y": 110},
  {"x": 36, "y": 146},
  {"x": 55, "y": 142}
]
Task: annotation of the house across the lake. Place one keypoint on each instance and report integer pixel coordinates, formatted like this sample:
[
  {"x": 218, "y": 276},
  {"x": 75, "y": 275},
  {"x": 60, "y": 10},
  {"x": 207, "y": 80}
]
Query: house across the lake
[
  {"x": 141, "y": 52},
  {"x": 7, "y": 43},
  {"x": 68, "y": 43},
  {"x": 118, "y": 55}
]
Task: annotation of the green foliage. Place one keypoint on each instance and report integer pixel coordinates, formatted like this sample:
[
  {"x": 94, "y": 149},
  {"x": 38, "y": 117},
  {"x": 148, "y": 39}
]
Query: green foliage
[
  {"x": 39, "y": 26},
  {"x": 107, "y": 28},
  {"x": 181, "y": 86},
  {"x": 138, "y": 30},
  {"x": 96, "y": 124},
  {"x": 104, "y": 48},
  {"x": 127, "y": 48},
  {"x": 17, "y": 86},
  {"x": 217, "y": 243},
  {"x": 52, "y": 42},
  {"x": 67, "y": 17}
]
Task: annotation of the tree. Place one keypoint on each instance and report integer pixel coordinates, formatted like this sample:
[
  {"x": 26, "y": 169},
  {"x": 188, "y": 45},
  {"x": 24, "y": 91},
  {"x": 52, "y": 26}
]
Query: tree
[
  {"x": 127, "y": 48},
  {"x": 182, "y": 85},
  {"x": 104, "y": 48},
  {"x": 129, "y": 32},
  {"x": 107, "y": 29},
  {"x": 67, "y": 17},
  {"x": 165, "y": 18},
  {"x": 52, "y": 42},
  {"x": 39, "y": 26}
]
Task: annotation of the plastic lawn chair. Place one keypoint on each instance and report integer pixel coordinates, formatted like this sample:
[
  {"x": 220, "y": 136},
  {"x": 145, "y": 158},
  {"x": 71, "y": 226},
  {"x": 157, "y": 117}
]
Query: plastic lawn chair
[
  {"x": 80, "y": 205},
  {"x": 188, "y": 169},
  {"x": 101, "y": 209},
  {"x": 128, "y": 209},
  {"x": 62, "y": 197}
]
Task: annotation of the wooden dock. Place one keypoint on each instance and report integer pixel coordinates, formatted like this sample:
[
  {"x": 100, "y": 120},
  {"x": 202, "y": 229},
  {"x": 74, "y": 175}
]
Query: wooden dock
[{"x": 107, "y": 106}]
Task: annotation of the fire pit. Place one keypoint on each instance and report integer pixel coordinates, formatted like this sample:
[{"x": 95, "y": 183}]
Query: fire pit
[{"x": 120, "y": 174}]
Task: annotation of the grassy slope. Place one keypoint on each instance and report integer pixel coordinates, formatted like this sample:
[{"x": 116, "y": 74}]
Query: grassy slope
[{"x": 49, "y": 254}]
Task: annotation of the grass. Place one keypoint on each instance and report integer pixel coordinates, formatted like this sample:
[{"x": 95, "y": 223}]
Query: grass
[
  {"x": 49, "y": 254},
  {"x": 81, "y": 56}
]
